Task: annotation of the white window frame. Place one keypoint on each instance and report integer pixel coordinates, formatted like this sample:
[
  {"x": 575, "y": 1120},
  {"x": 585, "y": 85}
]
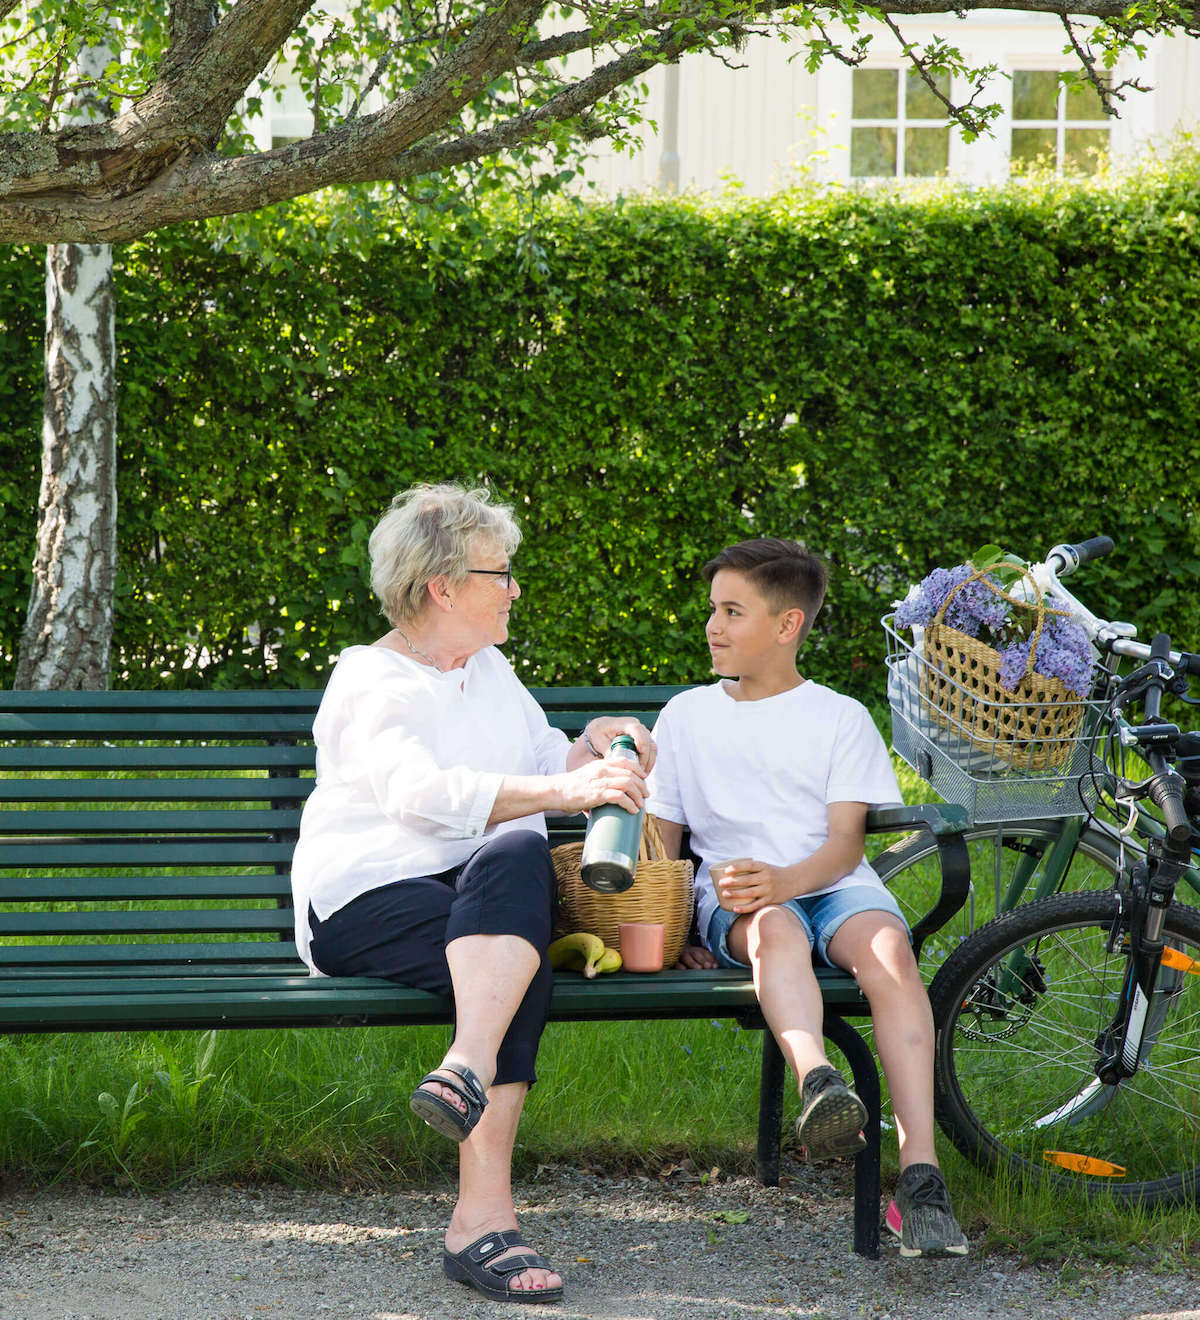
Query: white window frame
[
  {"x": 900, "y": 123},
  {"x": 1031, "y": 64}
]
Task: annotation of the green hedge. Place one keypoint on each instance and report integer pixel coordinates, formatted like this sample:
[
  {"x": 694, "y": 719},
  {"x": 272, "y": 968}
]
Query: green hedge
[{"x": 893, "y": 379}]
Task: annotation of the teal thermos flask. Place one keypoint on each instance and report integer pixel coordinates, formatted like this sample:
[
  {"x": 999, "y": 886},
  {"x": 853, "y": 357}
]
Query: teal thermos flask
[{"x": 610, "y": 846}]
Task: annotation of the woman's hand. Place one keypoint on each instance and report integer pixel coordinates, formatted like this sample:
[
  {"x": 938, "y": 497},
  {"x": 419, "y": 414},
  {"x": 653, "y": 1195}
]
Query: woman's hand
[
  {"x": 746, "y": 885},
  {"x": 605, "y": 728},
  {"x": 597, "y": 783},
  {"x": 696, "y": 958}
]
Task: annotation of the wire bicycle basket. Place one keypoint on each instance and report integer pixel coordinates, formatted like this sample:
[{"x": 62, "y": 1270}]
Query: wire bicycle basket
[{"x": 999, "y": 755}]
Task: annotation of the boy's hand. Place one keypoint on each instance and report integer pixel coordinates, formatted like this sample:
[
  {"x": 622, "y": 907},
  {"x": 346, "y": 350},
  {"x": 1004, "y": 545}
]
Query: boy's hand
[
  {"x": 696, "y": 958},
  {"x": 746, "y": 885}
]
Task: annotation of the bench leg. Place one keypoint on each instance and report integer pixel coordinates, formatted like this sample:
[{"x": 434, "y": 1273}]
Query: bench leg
[
  {"x": 866, "y": 1163},
  {"x": 770, "y": 1110}
]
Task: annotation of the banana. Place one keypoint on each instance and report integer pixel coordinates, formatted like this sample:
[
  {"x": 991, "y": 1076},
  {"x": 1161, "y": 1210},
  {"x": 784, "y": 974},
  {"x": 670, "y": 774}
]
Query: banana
[
  {"x": 610, "y": 961},
  {"x": 577, "y": 952}
]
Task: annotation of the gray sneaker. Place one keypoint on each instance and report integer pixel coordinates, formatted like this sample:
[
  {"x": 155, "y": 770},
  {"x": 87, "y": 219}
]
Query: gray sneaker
[
  {"x": 831, "y": 1116},
  {"x": 927, "y": 1225}
]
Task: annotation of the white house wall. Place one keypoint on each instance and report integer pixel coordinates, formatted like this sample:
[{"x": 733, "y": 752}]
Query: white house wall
[{"x": 761, "y": 125}]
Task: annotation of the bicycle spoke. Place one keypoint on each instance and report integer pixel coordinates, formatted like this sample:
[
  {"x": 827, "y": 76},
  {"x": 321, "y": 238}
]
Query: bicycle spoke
[{"x": 1019, "y": 1008}]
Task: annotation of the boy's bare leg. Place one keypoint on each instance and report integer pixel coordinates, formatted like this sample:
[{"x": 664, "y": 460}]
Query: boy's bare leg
[
  {"x": 775, "y": 944},
  {"x": 874, "y": 948}
]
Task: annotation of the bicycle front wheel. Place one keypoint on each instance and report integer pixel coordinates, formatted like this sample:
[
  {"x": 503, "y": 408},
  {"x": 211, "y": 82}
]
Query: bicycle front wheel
[{"x": 1017, "y": 1011}]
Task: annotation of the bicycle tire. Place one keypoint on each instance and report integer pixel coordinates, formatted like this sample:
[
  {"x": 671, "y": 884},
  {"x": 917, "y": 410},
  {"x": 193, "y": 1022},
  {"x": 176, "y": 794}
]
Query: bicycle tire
[
  {"x": 1015, "y": 1054},
  {"x": 911, "y": 870}
]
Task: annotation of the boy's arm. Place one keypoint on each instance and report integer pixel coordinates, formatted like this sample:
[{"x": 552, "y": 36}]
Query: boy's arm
[
  {"x": 748, "y": 885},
  {"x": 672, "y": 837}
]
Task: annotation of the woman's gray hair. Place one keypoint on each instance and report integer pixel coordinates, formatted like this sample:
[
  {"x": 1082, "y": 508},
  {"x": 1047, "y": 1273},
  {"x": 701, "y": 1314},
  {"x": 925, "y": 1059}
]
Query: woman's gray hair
[{"x": 427, "y": 532}]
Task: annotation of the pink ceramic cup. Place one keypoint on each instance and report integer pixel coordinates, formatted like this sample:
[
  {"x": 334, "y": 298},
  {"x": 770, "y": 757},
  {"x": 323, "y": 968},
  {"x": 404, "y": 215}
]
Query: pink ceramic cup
[
  {"x": 725, "y": 870},
  {"x": 641, "y": 945}
]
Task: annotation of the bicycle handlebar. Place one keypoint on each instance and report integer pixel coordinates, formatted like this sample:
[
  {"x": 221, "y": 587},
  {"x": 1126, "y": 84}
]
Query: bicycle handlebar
[
  {"x": 1117, "y": 638},
  {"x": 1166, "y": 788},
  {"x": 1065, "y": 559},
  {"x": 1167, "y": 795}
]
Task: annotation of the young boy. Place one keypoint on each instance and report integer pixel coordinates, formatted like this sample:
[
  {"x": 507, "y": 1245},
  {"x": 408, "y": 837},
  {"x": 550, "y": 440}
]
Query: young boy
[{"x": 773, "y": 775}]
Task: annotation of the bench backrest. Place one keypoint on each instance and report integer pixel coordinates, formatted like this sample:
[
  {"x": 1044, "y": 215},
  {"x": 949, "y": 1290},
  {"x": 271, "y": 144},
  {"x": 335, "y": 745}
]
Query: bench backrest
[{"x": 161, "y": 825}]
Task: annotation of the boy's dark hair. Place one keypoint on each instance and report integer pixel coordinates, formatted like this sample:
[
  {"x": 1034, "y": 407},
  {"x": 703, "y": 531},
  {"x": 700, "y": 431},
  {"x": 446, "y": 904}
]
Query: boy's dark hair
[{"x": 788, "y": 576}]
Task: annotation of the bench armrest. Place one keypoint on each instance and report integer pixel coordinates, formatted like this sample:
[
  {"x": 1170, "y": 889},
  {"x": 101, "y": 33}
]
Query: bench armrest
[{"x": 946, "y": 824}]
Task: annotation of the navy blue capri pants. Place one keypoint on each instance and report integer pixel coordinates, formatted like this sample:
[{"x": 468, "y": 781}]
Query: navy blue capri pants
[{"x": 400, "y": 931}]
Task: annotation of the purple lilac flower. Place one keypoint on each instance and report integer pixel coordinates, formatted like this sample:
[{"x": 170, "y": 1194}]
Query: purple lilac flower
[
  {"x": 973, "y": 606},
  {"x": 976, "y": 605},
  {"x": 925, "y": 599},
  {"x": 1013, "y": 660},
  {"x": 1063, "y": 653}
]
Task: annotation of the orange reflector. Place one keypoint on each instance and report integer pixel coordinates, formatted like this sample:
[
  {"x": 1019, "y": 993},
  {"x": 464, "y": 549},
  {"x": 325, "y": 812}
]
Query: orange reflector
[
  {"x": 1083, "y": 1164},
  {"x": 1180, "y": 962}
]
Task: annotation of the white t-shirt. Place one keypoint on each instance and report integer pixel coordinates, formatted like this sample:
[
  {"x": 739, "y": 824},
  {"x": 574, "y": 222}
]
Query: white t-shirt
[
  {"x": 755, "y": 778},
  {"x": 409, "y": 762}
]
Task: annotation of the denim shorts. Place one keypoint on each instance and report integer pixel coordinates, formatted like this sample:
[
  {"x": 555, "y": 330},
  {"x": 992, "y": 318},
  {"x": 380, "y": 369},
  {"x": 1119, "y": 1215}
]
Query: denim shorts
[{"x": 820, "y": 915}]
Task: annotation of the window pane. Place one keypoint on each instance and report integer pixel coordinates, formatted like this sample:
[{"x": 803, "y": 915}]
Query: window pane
[
  {"x": 1085, "y": 150},
  {"x": 1083, "y": 102},
  {"x": 872, "y": 153},
  {"x": 920, "y": 102},
  {"x": 1035, "y": 94},
  {"x": 1031, "y": 145},
  {"x": 926, "y": 151},
  {"x": 875, "y": 92}
]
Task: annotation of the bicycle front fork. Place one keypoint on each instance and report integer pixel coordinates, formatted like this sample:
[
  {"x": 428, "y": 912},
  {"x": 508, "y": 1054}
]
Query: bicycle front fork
[{"x": 1150, "y": 982}]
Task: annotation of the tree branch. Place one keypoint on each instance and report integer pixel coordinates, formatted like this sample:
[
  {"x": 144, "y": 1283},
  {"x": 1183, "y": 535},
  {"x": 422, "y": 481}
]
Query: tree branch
[
  {"x": 190, "y": 23},
  {"x": 155, "y": 163}
]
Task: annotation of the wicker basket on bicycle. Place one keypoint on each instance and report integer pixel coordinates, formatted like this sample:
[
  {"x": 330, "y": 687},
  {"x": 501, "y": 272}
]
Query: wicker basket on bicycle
[
  {"x": 1029, "y": 729},
  {"x": 661, "y": 891}
]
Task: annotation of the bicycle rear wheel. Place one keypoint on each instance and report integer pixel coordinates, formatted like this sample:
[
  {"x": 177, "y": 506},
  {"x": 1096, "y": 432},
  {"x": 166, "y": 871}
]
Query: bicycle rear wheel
[
  {"x": 1017, "y": 1010},
  {"x": 912, "y": 871}
]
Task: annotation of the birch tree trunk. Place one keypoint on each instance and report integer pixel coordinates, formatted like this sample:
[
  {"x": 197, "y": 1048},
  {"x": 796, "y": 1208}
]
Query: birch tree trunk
[{"x": 67, "y": 637}]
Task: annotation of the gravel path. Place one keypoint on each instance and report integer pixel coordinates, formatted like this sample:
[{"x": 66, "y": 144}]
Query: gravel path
[{"x": 631, "y": 1249}]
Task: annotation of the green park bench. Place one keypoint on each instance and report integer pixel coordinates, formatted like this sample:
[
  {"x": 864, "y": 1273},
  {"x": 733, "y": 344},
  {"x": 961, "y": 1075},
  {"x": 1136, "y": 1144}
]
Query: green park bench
[{"x": 145, "y": 847}]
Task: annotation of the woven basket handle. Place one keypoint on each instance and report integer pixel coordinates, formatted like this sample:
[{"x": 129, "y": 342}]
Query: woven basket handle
[
  {"x": 651, "y": 847},
  {"x": 980, "y": 575}
]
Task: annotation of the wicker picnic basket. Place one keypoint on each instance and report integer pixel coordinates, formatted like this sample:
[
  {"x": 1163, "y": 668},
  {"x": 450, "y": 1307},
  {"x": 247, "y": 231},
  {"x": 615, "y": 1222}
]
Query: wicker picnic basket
[
  {"x": 1030, "y": 729},
  {"x": 661, "y": 891}
]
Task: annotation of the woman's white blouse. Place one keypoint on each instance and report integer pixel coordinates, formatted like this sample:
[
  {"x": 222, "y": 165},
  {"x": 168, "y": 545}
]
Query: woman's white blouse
[{"x": 409, "y": 762}]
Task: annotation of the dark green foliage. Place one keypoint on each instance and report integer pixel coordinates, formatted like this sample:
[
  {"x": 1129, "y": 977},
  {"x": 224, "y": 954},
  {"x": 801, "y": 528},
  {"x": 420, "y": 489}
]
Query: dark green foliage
[{"x": 893, "y": 380}]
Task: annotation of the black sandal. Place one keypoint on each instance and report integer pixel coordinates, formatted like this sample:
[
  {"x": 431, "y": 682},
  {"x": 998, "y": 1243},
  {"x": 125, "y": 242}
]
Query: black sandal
[
  {"x": 440, "y": 1114},
  {"x": 473, "y": 1266}
]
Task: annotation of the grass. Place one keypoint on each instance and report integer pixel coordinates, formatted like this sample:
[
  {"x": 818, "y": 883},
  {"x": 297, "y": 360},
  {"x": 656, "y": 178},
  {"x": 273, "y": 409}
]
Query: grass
[{"x": 330, "y": 1108}]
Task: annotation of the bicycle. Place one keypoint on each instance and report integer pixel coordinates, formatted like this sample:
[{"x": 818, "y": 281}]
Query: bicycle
[
  {"x": 1028, "y": 837},
  {"x": 1068, "y": 1028}
]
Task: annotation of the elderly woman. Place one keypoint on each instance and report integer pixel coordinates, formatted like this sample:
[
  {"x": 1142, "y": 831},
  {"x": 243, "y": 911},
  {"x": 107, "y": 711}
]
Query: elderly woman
[{"x": 423, "y": 855}]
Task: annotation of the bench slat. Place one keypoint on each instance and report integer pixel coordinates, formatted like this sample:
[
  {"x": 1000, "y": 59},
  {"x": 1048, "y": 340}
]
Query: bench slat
[
  {"x": 157, "y": 699},
  {"x": 57, "y": 1004},
  {"x": 154, "y": 823},
  {"x": 35, "y": 959},
  {"x": 279, "y": 788},
  {"x": 134, "y": 888},
  {"x": 217, "y": 852},
  {"x": 265, "y": 756},
  {"x": 107, "y": 921},
  {"x": 256, "y": 725}
]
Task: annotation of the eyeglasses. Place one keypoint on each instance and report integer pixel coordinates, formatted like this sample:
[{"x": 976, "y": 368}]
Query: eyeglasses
[{"x": 503, "y": 576}]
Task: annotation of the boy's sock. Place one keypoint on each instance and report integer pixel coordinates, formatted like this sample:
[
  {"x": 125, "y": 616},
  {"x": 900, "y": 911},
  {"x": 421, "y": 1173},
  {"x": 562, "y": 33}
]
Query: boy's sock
[
  {"x": 927, "y": 1224},
  {"x": 831, "y": 1116}
]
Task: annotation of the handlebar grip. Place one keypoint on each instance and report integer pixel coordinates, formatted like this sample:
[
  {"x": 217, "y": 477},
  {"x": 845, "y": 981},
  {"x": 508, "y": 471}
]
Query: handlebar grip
[
  {"x": 1095, "y": 547},
  {"x": 1160, "y": 649},
  {"x": 1167, "y": 796}
]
